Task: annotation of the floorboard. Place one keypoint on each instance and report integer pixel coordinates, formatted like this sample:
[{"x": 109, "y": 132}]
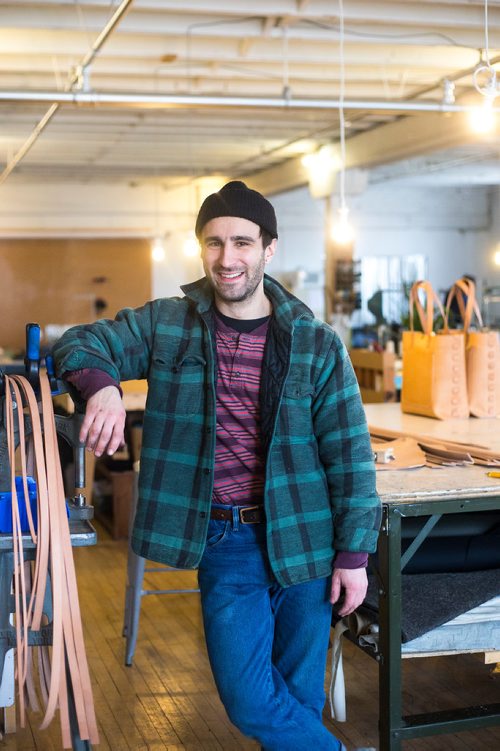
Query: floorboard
[{"x": 166, "y": 701}]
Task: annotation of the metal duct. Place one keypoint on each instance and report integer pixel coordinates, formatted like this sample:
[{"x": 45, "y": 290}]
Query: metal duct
[{"x": 160, "y": 101}]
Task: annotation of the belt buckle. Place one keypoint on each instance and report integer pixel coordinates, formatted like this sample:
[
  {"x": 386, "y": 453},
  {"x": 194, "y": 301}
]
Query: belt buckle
[{"x": 244, "y": 510}]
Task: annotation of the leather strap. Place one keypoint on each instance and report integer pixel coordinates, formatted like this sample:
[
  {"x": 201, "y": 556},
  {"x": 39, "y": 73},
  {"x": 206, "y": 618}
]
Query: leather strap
[
  {"x": 465, "y": 289},
  {"x": 67, "y": 660},
  {"x": 431, "y": 299}
]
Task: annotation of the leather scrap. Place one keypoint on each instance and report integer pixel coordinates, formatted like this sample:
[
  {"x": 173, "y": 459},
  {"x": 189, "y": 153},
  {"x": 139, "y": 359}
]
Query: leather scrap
[
  {"x": 407, "y": 454},
  {"x": 444, "y": 452}
]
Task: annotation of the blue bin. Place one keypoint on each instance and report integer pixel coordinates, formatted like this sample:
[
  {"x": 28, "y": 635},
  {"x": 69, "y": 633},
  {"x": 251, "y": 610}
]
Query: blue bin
[{"x": 6, "y": 506}]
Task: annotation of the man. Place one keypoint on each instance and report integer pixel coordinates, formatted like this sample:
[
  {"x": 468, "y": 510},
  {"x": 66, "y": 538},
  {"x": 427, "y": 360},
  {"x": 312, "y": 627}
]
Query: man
[{"x": 256, "y": 465}]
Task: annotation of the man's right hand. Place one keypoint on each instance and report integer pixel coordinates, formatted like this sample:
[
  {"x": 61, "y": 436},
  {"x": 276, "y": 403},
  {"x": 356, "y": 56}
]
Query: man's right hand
[{"x": 104, "y": 422}]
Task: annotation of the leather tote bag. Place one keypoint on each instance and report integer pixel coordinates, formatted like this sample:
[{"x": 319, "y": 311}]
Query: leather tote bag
[
  {"x": 434, "y": 375},
  {"x": 482, "y": 353}
]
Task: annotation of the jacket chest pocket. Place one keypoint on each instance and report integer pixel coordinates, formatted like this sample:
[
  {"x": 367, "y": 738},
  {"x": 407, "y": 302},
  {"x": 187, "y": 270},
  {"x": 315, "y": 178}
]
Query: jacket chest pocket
[
  {"x": 177, "y": 384},
  {"x": 296, "y": 409}
]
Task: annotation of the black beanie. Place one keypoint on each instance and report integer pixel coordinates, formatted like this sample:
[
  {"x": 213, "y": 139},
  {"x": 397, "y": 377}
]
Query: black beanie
[{"x": 235, "y": 199}]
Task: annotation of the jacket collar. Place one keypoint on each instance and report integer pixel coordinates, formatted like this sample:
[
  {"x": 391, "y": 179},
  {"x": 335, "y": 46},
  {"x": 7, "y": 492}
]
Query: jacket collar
[{"x": 286, "y": 307}]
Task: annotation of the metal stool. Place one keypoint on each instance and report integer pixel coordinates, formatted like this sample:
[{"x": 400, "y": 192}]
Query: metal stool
[{"x": 136, "y": 568}]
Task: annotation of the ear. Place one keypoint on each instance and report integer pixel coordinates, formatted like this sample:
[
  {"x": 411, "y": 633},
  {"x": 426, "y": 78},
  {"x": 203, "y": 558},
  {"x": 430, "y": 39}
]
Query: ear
[{"x": 270, "y": 250}]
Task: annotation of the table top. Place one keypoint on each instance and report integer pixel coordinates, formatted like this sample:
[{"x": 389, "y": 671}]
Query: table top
[
  {"x": 440, "y": 483},
  {"x": 482, "y": 432}
]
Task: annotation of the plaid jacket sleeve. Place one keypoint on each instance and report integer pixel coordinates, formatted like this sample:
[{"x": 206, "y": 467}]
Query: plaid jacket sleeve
[
  {"x": 120, "y": 347},
  {"x": 345, "y": 452}
]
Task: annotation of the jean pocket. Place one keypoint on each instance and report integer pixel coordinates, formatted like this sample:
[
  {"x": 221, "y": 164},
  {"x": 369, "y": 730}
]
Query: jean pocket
[{"x": 217, "y": 533}]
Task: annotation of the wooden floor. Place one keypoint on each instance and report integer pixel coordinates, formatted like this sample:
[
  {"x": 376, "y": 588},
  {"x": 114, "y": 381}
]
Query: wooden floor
[{"x": 167, "y": 699}]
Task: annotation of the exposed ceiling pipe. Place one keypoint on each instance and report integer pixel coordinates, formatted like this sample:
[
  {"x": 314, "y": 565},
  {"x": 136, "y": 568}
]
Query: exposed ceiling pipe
[
  {"x": 160, "y": 101},
  {"x": 73, "y": 79}
]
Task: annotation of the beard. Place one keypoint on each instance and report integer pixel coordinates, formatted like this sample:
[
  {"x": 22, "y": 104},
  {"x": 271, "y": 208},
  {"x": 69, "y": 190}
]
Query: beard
[{"x": 244, "y": 289}]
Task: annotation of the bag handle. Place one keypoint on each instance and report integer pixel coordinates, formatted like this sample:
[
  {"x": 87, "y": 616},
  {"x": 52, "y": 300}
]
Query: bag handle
[
  {"x": 464, "y": 290},
  {"x": 426, "y": 317}
]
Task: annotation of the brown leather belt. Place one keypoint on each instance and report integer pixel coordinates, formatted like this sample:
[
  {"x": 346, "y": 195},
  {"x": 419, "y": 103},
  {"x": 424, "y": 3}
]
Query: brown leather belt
[{"x": 247, "y": 514}]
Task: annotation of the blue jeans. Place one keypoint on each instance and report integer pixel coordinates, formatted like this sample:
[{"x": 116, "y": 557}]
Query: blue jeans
[{"x": 267, "y": 644}]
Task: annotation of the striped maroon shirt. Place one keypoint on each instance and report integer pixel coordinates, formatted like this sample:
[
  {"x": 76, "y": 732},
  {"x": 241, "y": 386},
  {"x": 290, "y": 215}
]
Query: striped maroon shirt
[{"x": 239, "y": 457}]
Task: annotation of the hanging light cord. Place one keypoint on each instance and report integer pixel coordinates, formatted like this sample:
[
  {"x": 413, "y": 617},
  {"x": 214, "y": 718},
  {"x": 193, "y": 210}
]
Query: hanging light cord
[
  {"x": 486, "y": 35},
  {"x": 286, "y": 66},
  {"x": 341, "y": 106},
  {"x": 490, "y": 89}
]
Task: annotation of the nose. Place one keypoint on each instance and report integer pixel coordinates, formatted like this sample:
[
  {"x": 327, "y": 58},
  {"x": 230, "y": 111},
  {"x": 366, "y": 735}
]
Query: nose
[{"x": 226, "y": 255}]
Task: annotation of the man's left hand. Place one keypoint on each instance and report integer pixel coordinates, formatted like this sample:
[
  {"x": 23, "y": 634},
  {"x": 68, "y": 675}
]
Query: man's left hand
[{"x": 354, "y": 582}]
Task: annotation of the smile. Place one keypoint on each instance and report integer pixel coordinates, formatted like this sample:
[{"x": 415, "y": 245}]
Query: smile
[{"x": 233, "y": 275}]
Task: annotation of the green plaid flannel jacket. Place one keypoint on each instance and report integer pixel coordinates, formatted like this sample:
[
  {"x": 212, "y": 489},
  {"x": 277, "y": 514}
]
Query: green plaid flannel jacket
[{"x": 320, "y": 493}]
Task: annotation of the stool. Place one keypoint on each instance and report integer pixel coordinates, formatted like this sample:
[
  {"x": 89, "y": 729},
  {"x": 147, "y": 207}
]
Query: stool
[{"x": 136, "y": 568}]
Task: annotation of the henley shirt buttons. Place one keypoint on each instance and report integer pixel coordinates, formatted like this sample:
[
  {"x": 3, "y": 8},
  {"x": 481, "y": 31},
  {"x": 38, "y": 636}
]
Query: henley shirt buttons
[
  {"x": 203, "y": 514},
  {"x": 206, "y": 471}
]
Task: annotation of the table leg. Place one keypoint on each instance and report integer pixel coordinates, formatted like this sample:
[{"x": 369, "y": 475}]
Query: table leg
[{"x": 390, "y": 672}]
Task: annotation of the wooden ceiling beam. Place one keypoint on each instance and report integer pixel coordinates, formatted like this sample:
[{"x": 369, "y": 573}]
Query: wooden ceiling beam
[
  {"x": 404, "y": 138},
  {"x": 268, "y": 25}
]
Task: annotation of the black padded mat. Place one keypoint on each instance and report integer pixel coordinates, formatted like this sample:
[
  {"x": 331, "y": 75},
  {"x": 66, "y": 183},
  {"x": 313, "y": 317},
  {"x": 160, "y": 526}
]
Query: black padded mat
[{"x": 429, "y": 600}]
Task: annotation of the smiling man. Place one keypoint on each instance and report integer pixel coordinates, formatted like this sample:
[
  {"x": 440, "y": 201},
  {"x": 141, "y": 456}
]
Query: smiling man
[
  {"x": 234, "y": 260},
  {"x": 256, "y": 466}
]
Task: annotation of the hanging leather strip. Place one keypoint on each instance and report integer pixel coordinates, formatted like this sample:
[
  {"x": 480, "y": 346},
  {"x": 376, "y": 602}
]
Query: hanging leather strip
[{"x": 66, "y": 663}]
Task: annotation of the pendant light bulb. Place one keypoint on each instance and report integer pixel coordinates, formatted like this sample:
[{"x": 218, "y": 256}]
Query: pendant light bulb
[
  {"x": 482, "y": 119},
  {"x": 158, "y": 250},
  {"x": 342, "y": 232},
  {"x": 191, "y": 246}
]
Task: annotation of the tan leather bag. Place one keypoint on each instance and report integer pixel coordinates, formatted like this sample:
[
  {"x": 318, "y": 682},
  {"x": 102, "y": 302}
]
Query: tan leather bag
[
  {"x": 482, "y": 353},
  {"x": 434, "y": 377}
]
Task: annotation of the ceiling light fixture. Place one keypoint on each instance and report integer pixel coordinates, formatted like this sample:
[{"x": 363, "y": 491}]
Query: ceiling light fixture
[
  {"x": 342, "y": 232},
  {"x": 482, "y": 119},
  {"x": 158, "y": 250},
  {"x": 448, "y": 91},
  {"x": 322, "y": 166},
  {"x": 484, "y": 78},
  {"x": 191, "y": 247},
  {"x": 157, "y": 246}
]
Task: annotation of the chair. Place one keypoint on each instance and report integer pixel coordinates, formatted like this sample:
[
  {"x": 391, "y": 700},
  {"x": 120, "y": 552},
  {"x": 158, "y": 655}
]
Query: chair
[
  {"x": 375, "y": 372},
  {"x": 134, "y": 592}
]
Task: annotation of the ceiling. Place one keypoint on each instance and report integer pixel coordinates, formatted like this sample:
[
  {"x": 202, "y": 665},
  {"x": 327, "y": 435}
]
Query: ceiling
[{"x": 183, "y": 88}]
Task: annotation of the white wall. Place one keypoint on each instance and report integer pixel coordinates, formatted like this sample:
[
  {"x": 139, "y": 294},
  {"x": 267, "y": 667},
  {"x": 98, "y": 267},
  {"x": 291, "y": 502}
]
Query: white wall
[
  {"x": 492, "y": 271},
  {"x": 176, "y": 269},
  {"x": 301, "y": 246},
  {"x": 301, "y": 232},
  {"x": 452, "y": 226},
  {"x": 457, "y": 228}
]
